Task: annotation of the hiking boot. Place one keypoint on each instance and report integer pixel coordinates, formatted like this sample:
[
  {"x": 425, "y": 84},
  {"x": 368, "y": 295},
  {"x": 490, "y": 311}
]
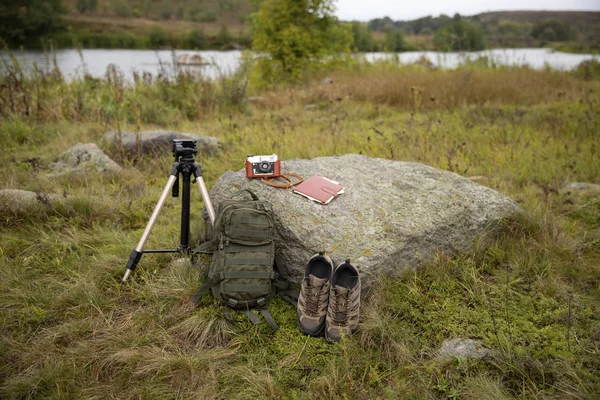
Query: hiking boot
[
  {"x": 314, "y": 295},
  {"x": 344, "y": 303}
]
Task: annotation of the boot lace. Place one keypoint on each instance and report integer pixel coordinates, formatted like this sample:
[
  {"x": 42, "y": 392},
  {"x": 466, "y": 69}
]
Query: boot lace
[
  {"x": 340, "y": 308},
  {"x": 313, "y": 299}
]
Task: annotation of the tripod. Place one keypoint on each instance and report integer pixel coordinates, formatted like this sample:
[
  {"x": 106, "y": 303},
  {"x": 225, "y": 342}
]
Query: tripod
[{"x": 185, "y": 165}]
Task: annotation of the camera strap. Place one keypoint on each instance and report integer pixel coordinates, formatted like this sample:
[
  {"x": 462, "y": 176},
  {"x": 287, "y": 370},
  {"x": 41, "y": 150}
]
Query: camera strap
[{"x": 285, "y": 177}]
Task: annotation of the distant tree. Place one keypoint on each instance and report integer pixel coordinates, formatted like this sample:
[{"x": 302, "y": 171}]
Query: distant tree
[
  {"x": 380, "y": 24},
  {"x": 394, "y": 41},
  {"x": 82, "y": 6},
  {"x": 293, "y": 37},
  {"x": 553, "y": 30},
  {"x": 461, "y": 35},
  {"x": 197, "y": 39},
  {"x": 92, "y": 5},
  {"x": 27, "y": 20},
  {"x": 362, "y": 39}
]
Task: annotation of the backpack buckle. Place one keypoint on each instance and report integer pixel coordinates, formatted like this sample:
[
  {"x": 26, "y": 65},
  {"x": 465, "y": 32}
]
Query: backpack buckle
[
  {"x": 261, "y": 302},
  {"x": 232, "y": 302}
]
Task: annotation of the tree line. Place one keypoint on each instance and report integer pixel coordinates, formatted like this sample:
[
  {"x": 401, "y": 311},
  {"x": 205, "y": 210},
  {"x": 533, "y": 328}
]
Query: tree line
[{"x": 24, "y": 22}]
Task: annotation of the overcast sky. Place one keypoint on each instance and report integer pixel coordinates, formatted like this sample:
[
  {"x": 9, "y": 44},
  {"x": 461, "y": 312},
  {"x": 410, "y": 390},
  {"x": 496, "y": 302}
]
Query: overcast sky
[{"x": 364, "y": 10}]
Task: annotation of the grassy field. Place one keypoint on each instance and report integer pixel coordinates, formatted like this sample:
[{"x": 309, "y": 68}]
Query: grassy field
[{"x": 530, "y": 290}]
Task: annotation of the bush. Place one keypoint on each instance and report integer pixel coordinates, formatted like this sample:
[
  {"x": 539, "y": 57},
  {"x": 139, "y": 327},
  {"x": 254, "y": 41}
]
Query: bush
[
  {"x": 223, "y": 37},
  {"x": 208, "y": 16},
  {"x": 158, "y": 37},
  {"x": 82, "y": 6},
  {"x": 179, "y": 13},
  {"x": 588, "y": 70},
  {"x": 197, "y": 39},
  {"x": 165, "y": 10},
  {"x": 121, "y": 8}
]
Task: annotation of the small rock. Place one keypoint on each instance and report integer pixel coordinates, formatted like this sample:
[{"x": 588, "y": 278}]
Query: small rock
[
  {"x": 160, "y": 141},
  {"x": 327, "y": 81},
  {"x": 190, "y": 59},
  {"x": 181, "y": 262},
  {"x": 467, "y": 348},
  {"x": 84, "y": 157},
  {"x": 257, "y": 99},
  {"x": 311, "y": 107},
  {"x": 479, "y": 179},
  {"x": 581, "y": 187}
]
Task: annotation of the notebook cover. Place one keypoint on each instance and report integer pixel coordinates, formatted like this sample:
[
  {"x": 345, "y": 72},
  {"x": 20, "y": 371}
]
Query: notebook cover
[{"x": 319, "y": 189}]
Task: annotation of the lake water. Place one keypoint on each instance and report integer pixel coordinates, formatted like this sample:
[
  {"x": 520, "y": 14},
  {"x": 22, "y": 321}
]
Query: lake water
[{"x": 95, "y": 61}]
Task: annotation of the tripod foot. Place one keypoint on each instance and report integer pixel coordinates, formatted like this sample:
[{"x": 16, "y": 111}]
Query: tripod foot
[{"x": 134, "y": 258}]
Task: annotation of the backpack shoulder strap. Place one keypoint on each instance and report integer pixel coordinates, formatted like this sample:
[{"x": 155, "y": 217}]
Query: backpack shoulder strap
[{"x": 203, "y": 289}]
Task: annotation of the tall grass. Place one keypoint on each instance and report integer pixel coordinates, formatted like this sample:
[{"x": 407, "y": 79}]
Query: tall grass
[{"x": 529, "y": 290}]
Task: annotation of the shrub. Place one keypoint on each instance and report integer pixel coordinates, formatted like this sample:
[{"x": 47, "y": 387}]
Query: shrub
[
  {"x": 82, "y": 6},
  {"x": 158, "y": 37},
  {"x": 121, "y": 8},
  {"x": 197, "y": 39},
  {"x": 223, "y": 37},
  {"x": 165, "y": 10}
]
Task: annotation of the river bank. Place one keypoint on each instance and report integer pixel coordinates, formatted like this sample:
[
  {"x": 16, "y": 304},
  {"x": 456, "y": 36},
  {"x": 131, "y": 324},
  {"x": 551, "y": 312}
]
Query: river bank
[{"x": 95, "y": 62}]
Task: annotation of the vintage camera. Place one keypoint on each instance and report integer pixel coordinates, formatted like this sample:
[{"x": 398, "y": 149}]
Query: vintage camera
[{"x": 262, "y": 166}]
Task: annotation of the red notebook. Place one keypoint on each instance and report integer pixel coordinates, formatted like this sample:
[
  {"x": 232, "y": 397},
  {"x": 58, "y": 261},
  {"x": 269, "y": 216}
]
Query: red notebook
[{"x": 319, "y": 189}]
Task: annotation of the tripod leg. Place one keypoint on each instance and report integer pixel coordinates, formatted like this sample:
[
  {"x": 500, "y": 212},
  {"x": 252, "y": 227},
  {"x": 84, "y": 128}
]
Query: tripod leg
[
  {"x": 206, "y": 198},
  {"x": 136, "y": 254}
]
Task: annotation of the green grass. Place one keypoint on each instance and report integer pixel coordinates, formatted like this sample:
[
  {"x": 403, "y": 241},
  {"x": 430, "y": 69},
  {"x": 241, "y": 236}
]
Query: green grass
[{"x": 530, "y": 289}]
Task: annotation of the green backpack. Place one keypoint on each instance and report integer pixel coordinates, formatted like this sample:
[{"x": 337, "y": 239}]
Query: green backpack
[{"x": 246, "y": 269}]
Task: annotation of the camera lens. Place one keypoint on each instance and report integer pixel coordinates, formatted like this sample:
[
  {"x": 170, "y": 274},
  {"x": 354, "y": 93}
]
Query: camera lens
[{"x": 264, "y": 167}]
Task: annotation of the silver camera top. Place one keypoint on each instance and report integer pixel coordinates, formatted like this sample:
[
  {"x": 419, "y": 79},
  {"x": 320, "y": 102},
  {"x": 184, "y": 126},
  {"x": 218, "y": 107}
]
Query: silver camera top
[{"x": 259, "y": 159}]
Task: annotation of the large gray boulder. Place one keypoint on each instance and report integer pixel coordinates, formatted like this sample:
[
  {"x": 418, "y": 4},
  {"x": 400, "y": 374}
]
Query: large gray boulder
[
  {"x": 393, "y": 215},
  {"x": 84, "y": 157},
  {"x": 159, "y": 141}
]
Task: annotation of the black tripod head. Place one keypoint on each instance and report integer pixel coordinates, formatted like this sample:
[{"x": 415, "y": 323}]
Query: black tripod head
[{"x": 184, "y": 150}]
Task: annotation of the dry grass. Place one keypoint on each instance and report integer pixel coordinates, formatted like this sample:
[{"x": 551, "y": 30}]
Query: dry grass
[{"x": 415, "y": 88}]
